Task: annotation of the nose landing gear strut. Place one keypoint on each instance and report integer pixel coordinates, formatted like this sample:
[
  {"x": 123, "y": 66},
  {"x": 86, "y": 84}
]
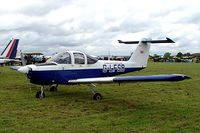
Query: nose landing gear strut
[{"x": 40, "y": 94}]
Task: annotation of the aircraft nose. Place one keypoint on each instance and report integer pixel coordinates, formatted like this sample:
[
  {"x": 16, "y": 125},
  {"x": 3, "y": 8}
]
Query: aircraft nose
[{"x": 23, "y": 69}]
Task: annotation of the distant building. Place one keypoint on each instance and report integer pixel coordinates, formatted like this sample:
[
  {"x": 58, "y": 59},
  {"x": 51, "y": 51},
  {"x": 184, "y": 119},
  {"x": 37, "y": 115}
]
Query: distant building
[{"x": 196, "y": 57}]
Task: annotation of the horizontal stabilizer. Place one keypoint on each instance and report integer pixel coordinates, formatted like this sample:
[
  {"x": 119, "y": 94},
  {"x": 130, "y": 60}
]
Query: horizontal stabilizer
[
  {"x": 168, "y": 40},
  {"x": 146, "y": 78}
]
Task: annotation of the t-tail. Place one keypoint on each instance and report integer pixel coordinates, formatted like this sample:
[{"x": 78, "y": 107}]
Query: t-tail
[
  {"x": 141, "y": 54},
  {"x": 10, "y": 51}
]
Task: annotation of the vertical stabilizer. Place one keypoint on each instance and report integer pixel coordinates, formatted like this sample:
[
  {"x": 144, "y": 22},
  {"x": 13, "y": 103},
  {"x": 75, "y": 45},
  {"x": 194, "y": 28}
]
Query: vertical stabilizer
[
  {"x": 10, "y": 51},
  {"x": 141, "y": 54}
]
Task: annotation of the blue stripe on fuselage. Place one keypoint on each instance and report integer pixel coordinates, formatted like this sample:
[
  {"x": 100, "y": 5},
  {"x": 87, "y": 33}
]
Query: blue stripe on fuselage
[{"x": 62, "y": 76}]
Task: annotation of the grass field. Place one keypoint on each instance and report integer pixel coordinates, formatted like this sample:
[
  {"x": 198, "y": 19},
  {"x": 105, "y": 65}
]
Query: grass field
[{"x": 132, "y": 107}]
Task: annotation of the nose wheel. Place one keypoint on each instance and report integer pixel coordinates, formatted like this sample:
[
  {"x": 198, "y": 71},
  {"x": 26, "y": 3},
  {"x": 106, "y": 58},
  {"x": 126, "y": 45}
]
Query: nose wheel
[
  {"x": 97, "y": 96},
  {"x": 53, "y": 88},
  {"x": 40, "y": 94}
]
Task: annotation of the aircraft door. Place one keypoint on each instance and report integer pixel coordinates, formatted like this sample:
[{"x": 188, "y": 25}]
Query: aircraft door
[
  {"x": 79, "y": 59},
  {"x": 79, "y": 64},
  {"x": 64, "y": 61}
]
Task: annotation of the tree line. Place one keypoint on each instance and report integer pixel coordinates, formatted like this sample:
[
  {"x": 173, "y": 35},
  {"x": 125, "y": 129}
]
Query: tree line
[{"x": 168, "y": 55}]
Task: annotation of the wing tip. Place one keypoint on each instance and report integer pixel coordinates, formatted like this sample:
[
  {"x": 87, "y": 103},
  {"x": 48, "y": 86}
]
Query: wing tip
[
  {"x": 120, "y": 41},
  {"x": 169, "y": 40}
]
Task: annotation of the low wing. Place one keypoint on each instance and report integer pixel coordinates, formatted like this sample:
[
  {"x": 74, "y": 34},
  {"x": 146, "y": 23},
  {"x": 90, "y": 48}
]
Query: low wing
[
  {"x": 15, "y": 67},
  {"x": 150, "y": 78}
]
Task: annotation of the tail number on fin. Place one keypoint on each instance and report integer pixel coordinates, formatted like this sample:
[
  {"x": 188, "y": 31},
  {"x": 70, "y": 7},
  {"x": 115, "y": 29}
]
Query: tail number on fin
[{"x": 111, "y": 68}]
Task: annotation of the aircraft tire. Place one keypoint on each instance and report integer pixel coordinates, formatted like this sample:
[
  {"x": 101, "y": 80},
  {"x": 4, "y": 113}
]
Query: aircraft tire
[
  {"x": 53, "y": 88},
  {"x": 40, "y": 95},
  {"x": 97, "y": 97}
]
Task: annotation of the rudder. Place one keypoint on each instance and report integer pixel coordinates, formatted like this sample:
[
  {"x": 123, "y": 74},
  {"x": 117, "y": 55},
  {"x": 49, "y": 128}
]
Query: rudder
[{"x": 10, "y": 51}]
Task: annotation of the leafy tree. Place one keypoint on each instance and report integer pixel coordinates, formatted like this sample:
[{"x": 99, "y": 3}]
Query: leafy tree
[
  {"x": 179, "y": 55},
  {"x": 187, "y": 54},
  {"x": 156, "y": 56},
  {"x": 167, "y": 55}
]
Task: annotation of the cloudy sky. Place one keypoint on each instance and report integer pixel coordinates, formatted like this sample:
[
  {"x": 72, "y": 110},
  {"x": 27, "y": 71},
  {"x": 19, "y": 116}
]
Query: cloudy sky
[{"x": 94, "y": 26}]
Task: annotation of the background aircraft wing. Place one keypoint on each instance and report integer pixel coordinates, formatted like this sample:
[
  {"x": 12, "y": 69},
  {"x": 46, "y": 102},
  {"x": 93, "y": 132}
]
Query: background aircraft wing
[{"x": 120, "y": 79}]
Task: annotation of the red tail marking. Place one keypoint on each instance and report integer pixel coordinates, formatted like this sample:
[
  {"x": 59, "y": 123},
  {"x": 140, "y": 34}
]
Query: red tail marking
[{"x": 10, "y": 50}]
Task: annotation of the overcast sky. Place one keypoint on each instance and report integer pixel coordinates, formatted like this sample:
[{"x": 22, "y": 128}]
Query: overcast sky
[{"x": 94, "y": 26}]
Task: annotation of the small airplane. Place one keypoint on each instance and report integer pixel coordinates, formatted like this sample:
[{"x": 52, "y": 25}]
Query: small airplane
[
  {"x": 10, "y": 52},
  {"x": 74, "y": 67}
]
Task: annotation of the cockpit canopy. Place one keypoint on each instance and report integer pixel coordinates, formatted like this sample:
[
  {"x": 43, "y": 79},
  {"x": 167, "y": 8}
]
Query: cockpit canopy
[
  {"x": 62, "y": 58},
  {"x": 74, "y": 57}
]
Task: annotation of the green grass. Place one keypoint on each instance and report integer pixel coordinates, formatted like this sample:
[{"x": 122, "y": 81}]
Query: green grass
[{"x": 132, "y": 107}]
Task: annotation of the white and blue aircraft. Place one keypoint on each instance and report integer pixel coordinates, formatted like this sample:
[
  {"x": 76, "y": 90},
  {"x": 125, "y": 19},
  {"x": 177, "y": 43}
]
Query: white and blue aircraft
[
  {"x": 74, "y": 67},
  {"x": 10, "y": 52}
]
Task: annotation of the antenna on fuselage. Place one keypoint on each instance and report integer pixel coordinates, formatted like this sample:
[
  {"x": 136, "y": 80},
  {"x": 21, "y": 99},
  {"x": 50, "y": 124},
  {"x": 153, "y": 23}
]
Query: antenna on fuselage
[{"x": 109, "y": 55}]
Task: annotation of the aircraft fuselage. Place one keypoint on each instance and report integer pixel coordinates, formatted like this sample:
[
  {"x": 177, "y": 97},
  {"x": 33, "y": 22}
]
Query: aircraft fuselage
[{"x": 62, "y": 73}]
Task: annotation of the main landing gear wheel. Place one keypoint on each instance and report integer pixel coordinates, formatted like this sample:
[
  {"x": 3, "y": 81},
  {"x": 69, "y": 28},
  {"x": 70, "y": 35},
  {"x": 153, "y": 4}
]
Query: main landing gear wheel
[
  {"x": 53, "y": 88},
  {"x": 97, "y": 97},
  {"x": 40, "y": 94}
]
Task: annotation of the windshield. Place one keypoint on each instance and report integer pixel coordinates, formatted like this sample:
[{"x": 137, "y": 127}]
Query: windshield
[
  {"x": 62, "y": 58},
  {"x": 91, "y": 60}
]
